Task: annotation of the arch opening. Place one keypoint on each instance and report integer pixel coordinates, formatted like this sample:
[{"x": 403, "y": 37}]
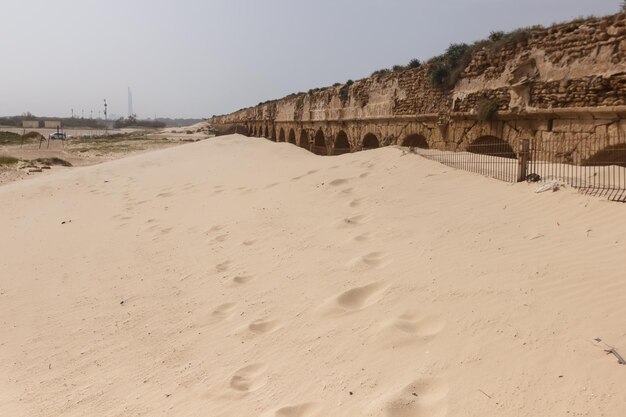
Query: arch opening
[
  {"x": 415, "y": 141},
  {"x": 292, "y": 136},
  {"x": 319, "y": 143},
  {"x": 611, "y": 155},
  {"x": 342, "y": 145},
  {"x": 304, "y": 140},
  {"x": 492, "y": 146},
  {"x": 266, "y": 133},
  {"x": 273, "y": 134},
  {"x": 281, "y": 135},
  {"x": 370, "y": 141}
]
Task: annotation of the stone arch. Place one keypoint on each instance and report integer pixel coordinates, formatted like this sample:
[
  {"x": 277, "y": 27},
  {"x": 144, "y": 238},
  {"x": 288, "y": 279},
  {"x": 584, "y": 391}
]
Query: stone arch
[
  {"x": 281, "y": 135},
  {"x": 274, "y": 133},
  {"x": 492, "y": 146},
  {"x": 319, "y": 143},
  {"x": 292, "y": 136},
  {"x": 610, "y": 155},
  {"x": 370, "y": 141},
  {"x": 266, "y": 133},
  {"x": 342, "y": 144},
  {"x": 304, "y": 139},
  {"x": 415, "y": 141}
]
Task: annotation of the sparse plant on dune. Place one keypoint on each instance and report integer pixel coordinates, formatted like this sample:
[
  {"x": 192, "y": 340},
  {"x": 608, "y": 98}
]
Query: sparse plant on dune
[{"x": 8, "y": 160}]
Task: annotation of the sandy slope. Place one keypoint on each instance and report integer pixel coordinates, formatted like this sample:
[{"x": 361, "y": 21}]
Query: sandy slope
[{"x": 260, "y": 280}]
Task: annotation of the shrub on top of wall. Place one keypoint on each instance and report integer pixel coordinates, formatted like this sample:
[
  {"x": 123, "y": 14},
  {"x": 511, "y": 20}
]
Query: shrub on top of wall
[
  {"x": 446, "y": 69},
  {"x": 414, "y": 63},
  {"x": 381, "y": 72}
]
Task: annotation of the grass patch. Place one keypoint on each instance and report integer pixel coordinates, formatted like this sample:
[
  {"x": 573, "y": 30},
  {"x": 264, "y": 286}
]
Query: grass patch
[
  {"x": 52, "y": 161},
  {"x": 9, "y": 138},
  {"x": 8, "y": 160}
]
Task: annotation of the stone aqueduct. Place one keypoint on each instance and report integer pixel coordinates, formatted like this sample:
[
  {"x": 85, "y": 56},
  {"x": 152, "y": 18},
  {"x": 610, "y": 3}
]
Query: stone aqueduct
[{"x": 562, "y": 85}]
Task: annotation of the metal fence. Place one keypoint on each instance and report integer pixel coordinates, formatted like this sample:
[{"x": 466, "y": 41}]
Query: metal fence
[{"x": 591, "y": 167}]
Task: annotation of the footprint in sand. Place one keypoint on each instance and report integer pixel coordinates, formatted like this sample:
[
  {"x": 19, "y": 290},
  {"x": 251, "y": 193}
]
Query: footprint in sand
[
  {"x": 425, "y": 397},
  {"x": 353, "y": 221},
  {"x": 224, "y": 311},
  {"x": 242, "y": 279},
  {"x": 249, "y": 242},
  {"x": 221, "y": 267},
  {"x": 338, "y": 181},
  {"x": 264, "y": 326},
  {"x": 363, "y": 175},
  {"x": 410, "y": 329},
  {"x": 221, "y": 238},
  {"x": 215, "y": 228},
  {"x": 363, "y": 237},
  {"x": 249, "y": 378},
  {"x": 356, "y": 202},
  {"x": 299, "y": 410},
  {"x": 369, "y": 260},
  {"x": 354, "y": 299},
  {"x": 424, "y": 326},
  {"x": 163, "y": 195},
  {"x": 272, "y": 185}
]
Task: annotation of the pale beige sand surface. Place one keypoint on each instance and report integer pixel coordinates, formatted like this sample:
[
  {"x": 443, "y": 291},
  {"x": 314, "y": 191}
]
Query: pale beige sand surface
[{"x": 240, "y": 277}]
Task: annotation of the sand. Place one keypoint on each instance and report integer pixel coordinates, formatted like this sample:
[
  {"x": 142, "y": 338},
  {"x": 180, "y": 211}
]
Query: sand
[{"x": 240, "y": 277}]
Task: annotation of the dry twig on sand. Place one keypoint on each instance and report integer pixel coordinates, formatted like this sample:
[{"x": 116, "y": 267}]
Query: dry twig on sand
[{"x": 612, "y": 351}]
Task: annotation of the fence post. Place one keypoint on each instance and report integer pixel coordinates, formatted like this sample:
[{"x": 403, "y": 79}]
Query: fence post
[{"x": 523, "y": 161}]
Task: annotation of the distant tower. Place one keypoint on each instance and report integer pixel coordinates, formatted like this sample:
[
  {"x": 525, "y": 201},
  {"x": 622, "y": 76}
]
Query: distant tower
[{"x": 130, "y": 103}]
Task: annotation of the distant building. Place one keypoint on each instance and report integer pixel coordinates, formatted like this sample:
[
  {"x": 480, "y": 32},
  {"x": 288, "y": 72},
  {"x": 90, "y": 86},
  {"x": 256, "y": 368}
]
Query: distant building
[
  {"x": 30, "y": 124},
  {"x": 52, "y": 124}
]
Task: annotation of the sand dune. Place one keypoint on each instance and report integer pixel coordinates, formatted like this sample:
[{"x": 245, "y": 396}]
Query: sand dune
[{"x": 240, "y": 277}]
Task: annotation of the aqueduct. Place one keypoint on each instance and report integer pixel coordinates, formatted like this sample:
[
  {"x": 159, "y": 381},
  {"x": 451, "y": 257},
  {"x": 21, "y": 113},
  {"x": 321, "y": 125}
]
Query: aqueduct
[{"x": 561, "y": 87}]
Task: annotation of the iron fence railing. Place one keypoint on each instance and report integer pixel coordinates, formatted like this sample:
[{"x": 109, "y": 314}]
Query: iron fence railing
[{"x": 593, "y": 168}]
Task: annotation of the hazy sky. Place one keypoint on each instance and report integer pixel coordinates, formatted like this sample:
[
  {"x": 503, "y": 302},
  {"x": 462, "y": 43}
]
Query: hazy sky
[{"x": 196, "y": 58}]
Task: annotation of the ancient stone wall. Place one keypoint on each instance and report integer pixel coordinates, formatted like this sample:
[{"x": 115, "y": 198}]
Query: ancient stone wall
[{"x": 567, "y": 81}]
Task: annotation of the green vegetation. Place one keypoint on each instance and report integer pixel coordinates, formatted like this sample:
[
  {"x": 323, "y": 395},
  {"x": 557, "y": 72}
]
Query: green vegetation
[
  {"x": 132, "y": 121},
  {"x": 8, "y": 160},
  {"x": 349, "y": 83},
  {"x": 380, "y": 72},
  {"x": 487, "y": 109},
  {"x": 414, "y": 63},
  {"x": 8, "y": 138},
  {"x": 446, "y": 69},
  {"x": 495, "y": 36}
]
